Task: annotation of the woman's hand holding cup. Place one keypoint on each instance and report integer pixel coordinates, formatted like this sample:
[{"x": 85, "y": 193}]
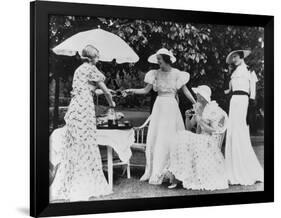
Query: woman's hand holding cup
[{"x": 189, "y": 113}]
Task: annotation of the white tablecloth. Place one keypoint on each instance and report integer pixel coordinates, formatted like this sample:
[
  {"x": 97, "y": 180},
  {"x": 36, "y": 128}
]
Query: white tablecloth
[{"x": 119, "y": 140}]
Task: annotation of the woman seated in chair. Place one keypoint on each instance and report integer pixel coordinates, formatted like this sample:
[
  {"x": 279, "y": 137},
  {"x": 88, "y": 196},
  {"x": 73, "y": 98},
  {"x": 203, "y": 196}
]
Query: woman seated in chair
[{"x": 197, "y": 160}]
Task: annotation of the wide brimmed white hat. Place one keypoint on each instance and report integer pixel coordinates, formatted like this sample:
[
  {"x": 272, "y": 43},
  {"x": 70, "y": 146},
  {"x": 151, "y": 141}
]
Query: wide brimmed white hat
[
  {"x": 153, "y": 58},
  {"x": 204, "y": 91},
  {"x": 245, "y": 52}
]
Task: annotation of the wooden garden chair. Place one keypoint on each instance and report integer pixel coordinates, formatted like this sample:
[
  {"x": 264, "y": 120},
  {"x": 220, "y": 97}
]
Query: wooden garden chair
[{"x": 140, "y": 141}]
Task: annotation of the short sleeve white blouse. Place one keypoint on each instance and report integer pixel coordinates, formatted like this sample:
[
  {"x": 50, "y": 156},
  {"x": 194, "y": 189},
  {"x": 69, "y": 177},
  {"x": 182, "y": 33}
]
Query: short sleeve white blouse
[{"x": 164, "y": 82}]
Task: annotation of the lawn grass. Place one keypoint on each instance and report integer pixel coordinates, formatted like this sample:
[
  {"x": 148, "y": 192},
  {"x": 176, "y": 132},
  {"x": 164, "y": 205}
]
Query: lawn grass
[{"x": 124, "y": 188}]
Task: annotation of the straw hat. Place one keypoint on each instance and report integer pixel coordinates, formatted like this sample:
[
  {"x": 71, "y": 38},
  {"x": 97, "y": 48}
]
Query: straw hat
[
  {"x": 229, "y": 56},
  {"x": 204, "y": 91},
  {"x": 153, "y": 58}
]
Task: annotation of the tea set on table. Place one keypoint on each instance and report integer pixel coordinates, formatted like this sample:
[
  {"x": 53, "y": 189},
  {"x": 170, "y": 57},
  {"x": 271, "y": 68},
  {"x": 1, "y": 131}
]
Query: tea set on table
[{"x": 113, "y": 119}]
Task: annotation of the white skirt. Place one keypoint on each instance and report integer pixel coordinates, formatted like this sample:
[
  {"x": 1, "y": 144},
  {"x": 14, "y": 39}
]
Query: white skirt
[
  {"x": 166, "y": 121},
  {"x": 242, "y": 164}
]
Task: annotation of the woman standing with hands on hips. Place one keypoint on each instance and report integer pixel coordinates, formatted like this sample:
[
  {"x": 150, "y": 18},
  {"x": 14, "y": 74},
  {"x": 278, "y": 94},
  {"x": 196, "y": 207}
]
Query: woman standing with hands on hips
[
  {"x": 166, "y": 118},
  {"x": 80, "y": 176},
  {"x": 242, "y": 165}
]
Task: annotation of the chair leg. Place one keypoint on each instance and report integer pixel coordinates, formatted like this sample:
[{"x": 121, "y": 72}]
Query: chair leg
[
  {"x": 128, "y": 170},
  {"x": 110, "y": 166}
]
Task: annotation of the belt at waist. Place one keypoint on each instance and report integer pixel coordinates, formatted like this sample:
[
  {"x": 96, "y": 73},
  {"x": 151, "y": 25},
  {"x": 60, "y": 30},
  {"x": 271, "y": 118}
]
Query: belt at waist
[
  {"x": 240, "y": 92},
  {"x": 171, "y": 95}
]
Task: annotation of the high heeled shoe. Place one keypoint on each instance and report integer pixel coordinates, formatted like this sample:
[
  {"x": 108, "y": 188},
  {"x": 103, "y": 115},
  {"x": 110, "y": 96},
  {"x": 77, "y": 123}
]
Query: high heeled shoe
[{"x": 172, "y": 186}]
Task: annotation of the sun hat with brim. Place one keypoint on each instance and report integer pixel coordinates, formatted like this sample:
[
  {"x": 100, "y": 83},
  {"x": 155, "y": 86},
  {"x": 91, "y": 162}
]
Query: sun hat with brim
[
  {"x": 164, "y": 51},
  {"x": 204, "y": 91},
  {"x": 245, "y": 52}
]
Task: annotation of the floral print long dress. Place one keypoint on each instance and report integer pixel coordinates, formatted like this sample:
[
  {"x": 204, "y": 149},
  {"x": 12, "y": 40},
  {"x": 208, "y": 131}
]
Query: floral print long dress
[
  {"x": 80, "y": 174},
  {"x": 197, "y": 160}
]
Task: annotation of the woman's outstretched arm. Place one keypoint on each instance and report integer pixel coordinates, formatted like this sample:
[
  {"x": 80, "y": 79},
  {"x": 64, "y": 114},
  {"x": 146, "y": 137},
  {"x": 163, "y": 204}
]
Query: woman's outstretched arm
[
  {"x": 188, "y": 94},
  {"x": 107, "y": 93},
  {"x": 142, "y": 91},
  {"x": 100, "y": 92}
]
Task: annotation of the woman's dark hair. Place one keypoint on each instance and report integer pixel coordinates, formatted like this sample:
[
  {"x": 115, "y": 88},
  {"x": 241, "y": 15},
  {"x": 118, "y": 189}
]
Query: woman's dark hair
[
  {"x": 166, "y": 58},
  {"x": 241, "y": 54}
]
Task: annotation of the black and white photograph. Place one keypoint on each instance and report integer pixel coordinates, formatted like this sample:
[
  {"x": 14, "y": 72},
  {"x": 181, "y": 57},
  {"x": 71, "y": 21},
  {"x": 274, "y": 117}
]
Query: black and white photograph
[
  {"x": 154, "y": 108},
  {"x": 140, "y": 108}
]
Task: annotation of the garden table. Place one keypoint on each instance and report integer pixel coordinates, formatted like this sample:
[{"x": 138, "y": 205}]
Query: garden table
[{"x": 114, "y": 139}]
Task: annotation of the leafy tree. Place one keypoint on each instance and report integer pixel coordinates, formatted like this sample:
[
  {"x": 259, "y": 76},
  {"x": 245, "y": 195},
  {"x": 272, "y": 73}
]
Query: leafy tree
[{"x": 200, "y": 49}]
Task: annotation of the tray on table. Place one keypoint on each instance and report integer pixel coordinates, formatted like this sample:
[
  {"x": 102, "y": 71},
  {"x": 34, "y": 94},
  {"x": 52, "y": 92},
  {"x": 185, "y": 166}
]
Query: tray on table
[{"x": 121, "y": 126}]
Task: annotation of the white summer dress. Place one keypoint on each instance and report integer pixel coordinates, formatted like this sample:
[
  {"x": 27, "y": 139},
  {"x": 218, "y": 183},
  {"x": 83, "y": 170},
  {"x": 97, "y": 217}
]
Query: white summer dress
[
  {"x": 242, "y": 164},
  {"x": 166, "y": 121}
]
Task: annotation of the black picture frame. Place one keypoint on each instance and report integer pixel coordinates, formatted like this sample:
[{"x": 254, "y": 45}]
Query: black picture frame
[{"x": 39, "y": 132}]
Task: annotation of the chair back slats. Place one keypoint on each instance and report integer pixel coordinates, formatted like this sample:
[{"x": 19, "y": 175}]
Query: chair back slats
[
  {"x": 140, "y": 134},
  {"x": 222, "y": 130},
  {"x": 137, "y": 133}
]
